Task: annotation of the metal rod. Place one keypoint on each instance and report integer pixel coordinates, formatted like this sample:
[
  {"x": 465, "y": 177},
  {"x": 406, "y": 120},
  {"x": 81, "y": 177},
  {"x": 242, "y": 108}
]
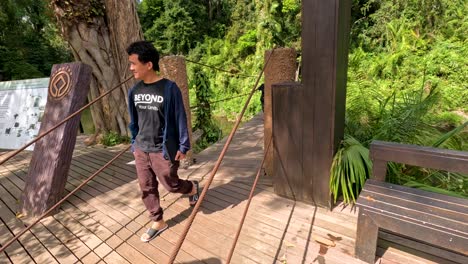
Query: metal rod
[
  {"x": 9, "y": 156},
  {"x": 219, "y": 69},
  {"x": 246, "y": 209},
  {"x": 221, "y": 100},
  {"x": 215, "y": 169},
  {"x": 61, "y": 201}
]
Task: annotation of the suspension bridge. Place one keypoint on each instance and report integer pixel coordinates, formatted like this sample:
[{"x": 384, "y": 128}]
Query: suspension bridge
[
  {"x": 102, "y": 222},
  {"x": 242, "y": 216}
]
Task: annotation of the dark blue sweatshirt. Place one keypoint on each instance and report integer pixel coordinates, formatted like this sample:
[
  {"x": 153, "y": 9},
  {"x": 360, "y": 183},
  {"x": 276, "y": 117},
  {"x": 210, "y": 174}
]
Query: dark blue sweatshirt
[{"x": 157, "y": 118}]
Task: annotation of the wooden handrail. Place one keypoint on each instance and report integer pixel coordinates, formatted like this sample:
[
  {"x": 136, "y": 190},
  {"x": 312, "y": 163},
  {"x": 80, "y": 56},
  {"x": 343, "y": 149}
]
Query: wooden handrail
[{"x": 428, "y": 157}]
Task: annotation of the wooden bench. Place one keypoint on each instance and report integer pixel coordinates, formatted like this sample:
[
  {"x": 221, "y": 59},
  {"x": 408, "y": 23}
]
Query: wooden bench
[{"x": 431, "y": 218}]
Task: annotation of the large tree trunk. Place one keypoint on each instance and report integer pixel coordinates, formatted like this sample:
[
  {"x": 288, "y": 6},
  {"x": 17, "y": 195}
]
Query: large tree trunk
[{"x": 98, "y": 33}]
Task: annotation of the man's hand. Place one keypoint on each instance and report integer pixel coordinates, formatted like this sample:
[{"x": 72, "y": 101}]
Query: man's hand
[{"x": 179, "y": 156}]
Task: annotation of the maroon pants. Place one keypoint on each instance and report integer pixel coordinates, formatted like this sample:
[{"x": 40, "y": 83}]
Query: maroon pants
[{"x": 152, "y": 167}]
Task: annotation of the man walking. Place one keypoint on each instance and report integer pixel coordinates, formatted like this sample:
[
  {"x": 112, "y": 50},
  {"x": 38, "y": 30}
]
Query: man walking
[{"x": 159, "y": 134}]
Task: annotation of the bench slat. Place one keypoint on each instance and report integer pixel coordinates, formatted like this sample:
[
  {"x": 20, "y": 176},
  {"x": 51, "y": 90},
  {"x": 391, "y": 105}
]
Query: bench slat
[
  {"x": 418, "y": 218},
  {"x": 458, "y": 204},
  {"x": 420, "y": 232},
  {"x": 408, "y": 205},
  {"x": 429, "y": 217},
  {"x": 423, "y": 247}
]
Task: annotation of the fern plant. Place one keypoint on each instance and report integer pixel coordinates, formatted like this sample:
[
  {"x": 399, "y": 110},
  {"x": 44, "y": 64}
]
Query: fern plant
[
  {"x": 398, "y": 118},
  {"x": 350, "y": 168}
]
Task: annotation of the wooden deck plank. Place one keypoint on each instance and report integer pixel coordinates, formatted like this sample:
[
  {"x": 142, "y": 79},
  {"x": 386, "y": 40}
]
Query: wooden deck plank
[
  {"x": 159, "y": 244},
  {"x": 107, "y": 200},
  {"x": 80, "y": 231},
  {"x": 217, "y": 234},
  {"x": 15, "y": 253},
  {"x": 103, "y": 250},
  {"x": 116, "y": 258},
  {"x": 60, "y": 231},
  {"x": 297, "y": 225},
  {"x": 90, "y": 258},
  {"x": 117, "y": 216},
  {"x": 231, "y": 229},
  {"x": 403, "y": 254},
  {"x": 264, "y": 236},
  {"x": 118, "y": 227},
  {"x": 101, "y": 193},
  {"x": 261, "y": 200},
  {"x": 79, "y": 247},
  {"x": 107, "y": 217},
  {"x": 68, "y": 238},
  {"x": 212, "y": 242},
  {"x": 153, "y": 254},
  {"x": 49, "y": 241},
  {"x": 87, "y": 167}
]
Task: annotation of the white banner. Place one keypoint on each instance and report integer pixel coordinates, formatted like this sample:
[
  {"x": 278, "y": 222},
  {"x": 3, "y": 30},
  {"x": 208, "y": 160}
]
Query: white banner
[{"x": 22, "y": 105}]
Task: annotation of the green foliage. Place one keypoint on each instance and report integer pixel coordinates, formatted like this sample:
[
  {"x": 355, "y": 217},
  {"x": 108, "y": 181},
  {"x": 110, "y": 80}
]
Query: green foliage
[
  {"x": 87, "y": 122},
  {"x": 247, "y": 43},
  {"x": 204, "y": 122},
  {"x": 407, "y": 68},
  {"x": 407, "y": 78},
  {"x": 398, "y": 117},
  {"x": 113, "y": 138},
  {"x": 395, "y": 43},
  {"x": 350, "y": 168},
  {"x": 174, "y": 31},
  {"x": 458, "y": 192},
  {"x": 444, "y": 138},
  {"x": 178, "y": 26},
  {"x": 227, "y": 34},
  {"x": 449, "y": 183},
  {"x": 29, "y": 42},
  {"x": 149, "y": 11}
]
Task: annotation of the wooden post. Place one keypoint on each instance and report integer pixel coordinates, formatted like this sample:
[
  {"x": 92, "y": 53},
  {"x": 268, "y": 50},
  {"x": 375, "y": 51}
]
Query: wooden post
[
  {"x": 366, "y": 237},
  {"x": 379, "y": 169},
  {"x": 325, "y": 37},
  {"x": 280, "y": 68},
  {"x": 50, "y": 162},
  {"x": 174, "y": 69},
  {"x": 287, "y": 136},
  {"x": 321, "y": 104}
]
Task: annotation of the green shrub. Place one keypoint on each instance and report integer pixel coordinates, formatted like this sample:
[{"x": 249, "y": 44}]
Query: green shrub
[
  {"x": 113, "y": 138},
  {"x": 445, "y": 120},
  {"x": 204, "y": 122}
]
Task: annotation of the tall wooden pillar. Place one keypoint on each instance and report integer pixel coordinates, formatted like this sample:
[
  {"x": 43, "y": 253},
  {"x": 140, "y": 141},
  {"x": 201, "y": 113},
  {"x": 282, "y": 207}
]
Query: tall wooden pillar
[
  {"x": 320, "y": 103},
  {"x": 174, "y": 69},
  {"x": 280, "y": 68},
  {"x": 50, "y": 162}
]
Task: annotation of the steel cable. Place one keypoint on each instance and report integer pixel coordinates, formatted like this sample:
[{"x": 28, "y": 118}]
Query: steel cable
[
  {"x": 220, "y": 100},
  {"x": 244, "y": 215},
  {"x": 63, "y": 200},
  {"x": 219, "y": 69},
  {"x": 215, "y": 169}
]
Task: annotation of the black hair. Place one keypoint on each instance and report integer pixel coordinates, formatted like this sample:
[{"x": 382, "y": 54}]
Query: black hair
[{"x": 146, "y": 52}]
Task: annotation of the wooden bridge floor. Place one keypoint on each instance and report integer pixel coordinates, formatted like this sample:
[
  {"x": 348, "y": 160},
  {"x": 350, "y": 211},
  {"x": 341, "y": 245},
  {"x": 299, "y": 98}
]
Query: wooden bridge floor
[{"x": 102, "y": 222}]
